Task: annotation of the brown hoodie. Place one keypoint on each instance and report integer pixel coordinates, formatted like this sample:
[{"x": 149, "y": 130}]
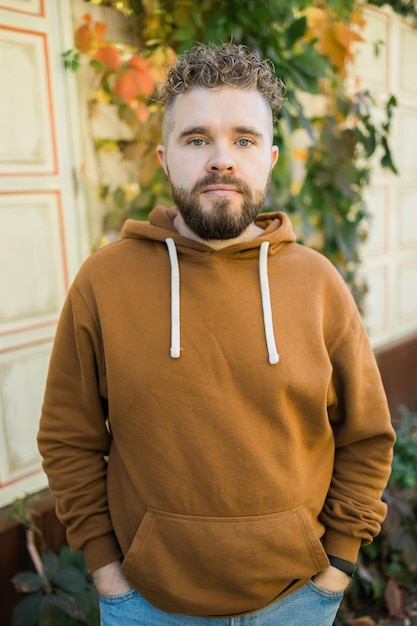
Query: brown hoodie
[{"x": 250, "y": 430}]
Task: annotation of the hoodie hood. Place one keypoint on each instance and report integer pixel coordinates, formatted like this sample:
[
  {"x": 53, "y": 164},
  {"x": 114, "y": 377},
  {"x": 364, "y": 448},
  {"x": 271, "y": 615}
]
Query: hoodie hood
[{"x": 278, "y": 231}]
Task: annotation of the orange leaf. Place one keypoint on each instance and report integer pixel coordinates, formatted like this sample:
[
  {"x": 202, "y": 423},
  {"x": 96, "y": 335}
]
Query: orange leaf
[
  {"x": 337, "y": 54},
  {"x": 140, "y": 67},
  {"x": 138, "y": 62},
  {"x": 89, "y": 34},
  {"x": 345, "y": 37},
  {"x": 145, "y": 81},
  {"x": 317, "y": 20},
  {"x": 126, "y": 86},
  {"x": 357, "y": 16},
  {"x": 108, "y": 56},
  {"x": 329, "y": 46},
  {"x": 334, "y": 38},
  {"x": 99, "y": 29},
  {"x": 83, "y": 38}
]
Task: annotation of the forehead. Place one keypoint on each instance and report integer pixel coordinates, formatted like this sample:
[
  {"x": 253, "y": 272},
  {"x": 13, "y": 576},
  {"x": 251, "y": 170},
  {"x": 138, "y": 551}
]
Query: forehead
[{"x": 219, "y": 110}]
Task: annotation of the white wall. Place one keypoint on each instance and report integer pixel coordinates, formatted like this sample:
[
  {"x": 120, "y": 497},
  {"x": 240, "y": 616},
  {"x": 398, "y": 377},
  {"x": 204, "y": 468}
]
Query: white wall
[{"x": 390, "y": 253}]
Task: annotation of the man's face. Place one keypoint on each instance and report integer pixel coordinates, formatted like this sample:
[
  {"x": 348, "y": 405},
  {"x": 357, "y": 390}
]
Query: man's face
[{"x": 218, "y": 158}]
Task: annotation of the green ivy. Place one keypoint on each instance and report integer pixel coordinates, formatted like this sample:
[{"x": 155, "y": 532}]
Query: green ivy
[
  {"x": 330, "y": 203},
  {"x": 338, "y": 166}
]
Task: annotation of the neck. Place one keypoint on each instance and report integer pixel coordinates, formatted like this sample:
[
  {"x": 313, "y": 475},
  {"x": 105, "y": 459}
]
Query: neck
[{"x": 217, "y": 244}]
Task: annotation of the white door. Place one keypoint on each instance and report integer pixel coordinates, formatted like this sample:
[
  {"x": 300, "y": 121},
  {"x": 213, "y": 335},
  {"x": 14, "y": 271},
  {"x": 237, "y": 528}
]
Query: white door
[
  {"x": 43, "y": 234},
  {"x": 390, "y": 253}
]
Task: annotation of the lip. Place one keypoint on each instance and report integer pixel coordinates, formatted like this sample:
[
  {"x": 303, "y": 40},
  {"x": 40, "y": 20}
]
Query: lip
[{"x": 220, "y": 189}]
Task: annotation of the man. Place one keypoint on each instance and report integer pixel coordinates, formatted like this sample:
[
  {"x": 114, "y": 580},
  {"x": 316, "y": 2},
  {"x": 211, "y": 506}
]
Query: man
[{"x": 214, "y": 428}]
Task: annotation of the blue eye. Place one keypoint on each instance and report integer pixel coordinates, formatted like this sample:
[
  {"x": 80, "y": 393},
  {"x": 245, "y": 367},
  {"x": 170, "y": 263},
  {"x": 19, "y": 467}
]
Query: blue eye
[
  {"x": 197, "y": 142},
  {"x": 244, "y": 143}
]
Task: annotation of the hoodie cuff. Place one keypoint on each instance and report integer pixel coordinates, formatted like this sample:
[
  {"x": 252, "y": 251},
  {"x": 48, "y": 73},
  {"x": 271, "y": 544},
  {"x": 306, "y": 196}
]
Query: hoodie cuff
[
  {"x": 101, "y": 551},
  {"x": 341, "y": 546}
]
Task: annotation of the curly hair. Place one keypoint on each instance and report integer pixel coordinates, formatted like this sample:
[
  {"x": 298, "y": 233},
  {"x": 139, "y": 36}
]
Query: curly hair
[{"x": 208, "y": 65}]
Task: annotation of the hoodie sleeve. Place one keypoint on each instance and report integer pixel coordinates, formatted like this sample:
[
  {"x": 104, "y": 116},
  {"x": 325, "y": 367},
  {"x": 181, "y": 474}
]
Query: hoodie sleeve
[
  {"x": 73, "y": 439},
  {"x": 364, "y": 440}
]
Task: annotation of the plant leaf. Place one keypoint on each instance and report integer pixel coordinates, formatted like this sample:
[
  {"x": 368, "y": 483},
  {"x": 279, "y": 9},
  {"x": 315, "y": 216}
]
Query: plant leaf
[
  {"x": 296, "y": 30},
  {"x": 25, "y": 613},
  {"x": 50, "y": 564},
  {"x": 394, "y": 599},
  {"x": 26, "y": 582},
  {"x": 55, "y": 608},
  {"x": 310, "y": 63},
  {"x": 69, "y": 579}
]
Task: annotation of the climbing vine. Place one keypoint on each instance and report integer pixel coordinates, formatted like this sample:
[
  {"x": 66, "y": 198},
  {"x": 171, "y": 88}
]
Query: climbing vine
[{"x": 311, "y": 44}]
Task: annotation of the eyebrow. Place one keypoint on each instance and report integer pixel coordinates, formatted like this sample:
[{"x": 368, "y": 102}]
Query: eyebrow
[
  {"x": 194, "y": 130},
  {"x": 204, "y": 130},
  {"x": 247, "y": 130}
]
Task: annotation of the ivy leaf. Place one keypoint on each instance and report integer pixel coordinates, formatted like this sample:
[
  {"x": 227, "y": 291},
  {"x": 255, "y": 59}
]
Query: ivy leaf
[
  {"x": 295, "y": 31},
  {"x": 391, "y": 104},
  {"x": 386, "y": 159},
  {"x": 304, "y": 82},
  {"x": 368, "y": 140},
  {"x": 72, "y": 60},
  {"x": 97, "y": 65},
  {"x": 310, "y": 63}
]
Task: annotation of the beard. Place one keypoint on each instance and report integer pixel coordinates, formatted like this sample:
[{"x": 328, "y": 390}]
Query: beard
[{"x": 221, "y": 221}]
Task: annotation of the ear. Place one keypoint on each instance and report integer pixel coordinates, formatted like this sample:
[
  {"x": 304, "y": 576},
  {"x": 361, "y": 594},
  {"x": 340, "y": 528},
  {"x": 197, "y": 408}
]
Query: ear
[
  {"x": 161, "y": 152},
  {"x": 274, "y": 155}
]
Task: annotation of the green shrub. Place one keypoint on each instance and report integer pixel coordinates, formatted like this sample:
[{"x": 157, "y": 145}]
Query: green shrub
[
  {"x": 404, "y": 466},
  {"x": 64, "y": 596},
  {"x": 387, "y": 568}
]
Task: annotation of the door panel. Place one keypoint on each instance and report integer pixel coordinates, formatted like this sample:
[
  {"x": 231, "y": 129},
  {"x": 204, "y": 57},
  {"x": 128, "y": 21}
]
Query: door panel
[{"x": 43, "y": 224}]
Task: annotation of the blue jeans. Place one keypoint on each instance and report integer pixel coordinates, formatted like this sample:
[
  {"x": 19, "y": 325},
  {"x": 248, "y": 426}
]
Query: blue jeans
[{"x": 307, "y": 606}]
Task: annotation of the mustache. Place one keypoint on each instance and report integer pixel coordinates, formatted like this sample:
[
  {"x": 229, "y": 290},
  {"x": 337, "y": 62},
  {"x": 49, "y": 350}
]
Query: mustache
[{"x": 218, "y": 179}]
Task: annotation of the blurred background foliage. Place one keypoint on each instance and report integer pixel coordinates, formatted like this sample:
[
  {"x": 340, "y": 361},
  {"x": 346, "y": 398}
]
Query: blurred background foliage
[
  {"x": 331, "y": 132},
  {"x": 406, "y": 8}
]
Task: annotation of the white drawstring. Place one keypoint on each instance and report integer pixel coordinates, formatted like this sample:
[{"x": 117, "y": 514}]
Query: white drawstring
[
  {"x": 266, "y": 304},
  {"x": 175, "y": 299},
  {"x": 175, "y": 350}
]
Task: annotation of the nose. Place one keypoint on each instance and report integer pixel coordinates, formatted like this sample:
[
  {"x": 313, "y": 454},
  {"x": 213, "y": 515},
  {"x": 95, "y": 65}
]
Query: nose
[{"x": 221, "y": 162}]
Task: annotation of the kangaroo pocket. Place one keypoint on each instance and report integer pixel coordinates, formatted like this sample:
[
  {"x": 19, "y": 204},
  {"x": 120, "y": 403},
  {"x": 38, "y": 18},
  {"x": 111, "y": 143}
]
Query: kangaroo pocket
[{"x": 221, "y": 565}]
